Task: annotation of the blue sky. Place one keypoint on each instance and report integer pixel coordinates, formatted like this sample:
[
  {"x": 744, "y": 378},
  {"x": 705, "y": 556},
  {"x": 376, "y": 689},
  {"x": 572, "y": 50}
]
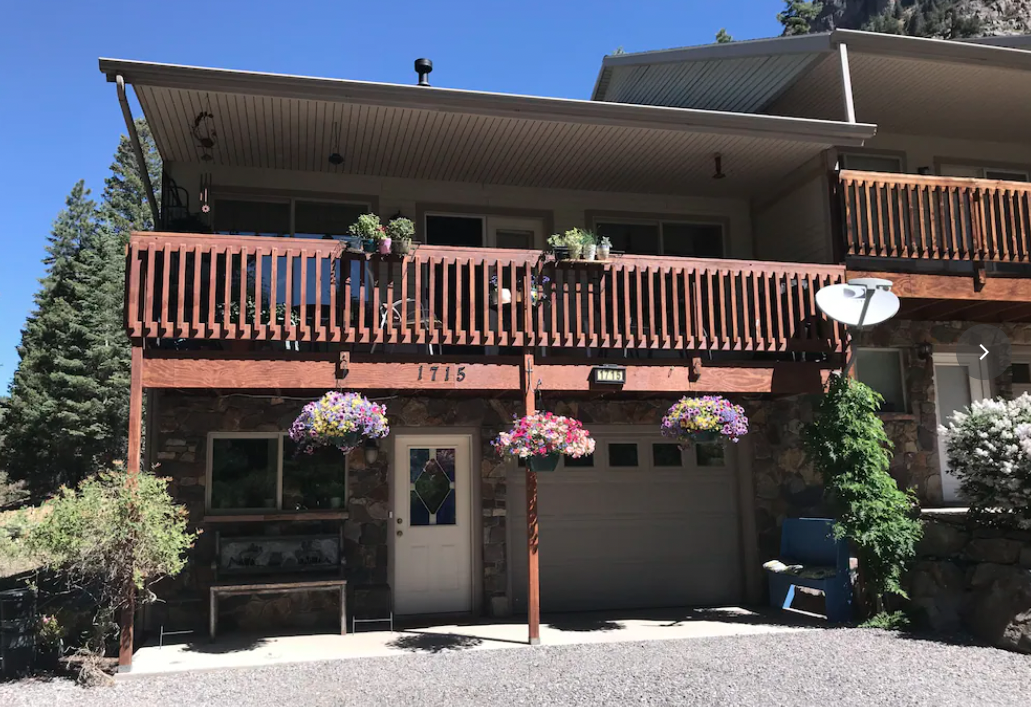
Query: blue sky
[{"x": 60, "y": 120}]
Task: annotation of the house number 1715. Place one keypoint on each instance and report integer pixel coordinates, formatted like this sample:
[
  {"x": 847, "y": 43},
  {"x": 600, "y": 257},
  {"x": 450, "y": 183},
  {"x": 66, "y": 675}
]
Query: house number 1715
[{"x": 441, "y": 373}]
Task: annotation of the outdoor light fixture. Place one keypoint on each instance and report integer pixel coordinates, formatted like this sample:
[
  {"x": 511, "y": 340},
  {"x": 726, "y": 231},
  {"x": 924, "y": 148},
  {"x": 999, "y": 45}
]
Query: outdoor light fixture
[
  {"x": 923, "y": 350},
  {"x": 718, "y": 159},
  {"x": 335, "y": 158},
  {"x": 371, "y": 451}
]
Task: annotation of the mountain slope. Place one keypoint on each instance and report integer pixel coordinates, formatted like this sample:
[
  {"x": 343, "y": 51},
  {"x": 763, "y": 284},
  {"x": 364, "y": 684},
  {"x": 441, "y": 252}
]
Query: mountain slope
[{"x": 947, "y": 19}]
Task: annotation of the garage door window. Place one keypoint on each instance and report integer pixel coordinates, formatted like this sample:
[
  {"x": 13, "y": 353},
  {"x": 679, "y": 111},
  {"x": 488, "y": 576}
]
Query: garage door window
[
  {"x": 710, "y": 454},
  {"x": 623, "y": 454},
  {"x": 584, "y": 462},
  {"x": 667, "y": 455}
]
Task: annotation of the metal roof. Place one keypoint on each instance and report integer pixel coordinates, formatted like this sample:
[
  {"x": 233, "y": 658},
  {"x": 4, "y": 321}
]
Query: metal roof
[
  {"x": 286, "y": 122},
  {"x": 902, "y": 84}
]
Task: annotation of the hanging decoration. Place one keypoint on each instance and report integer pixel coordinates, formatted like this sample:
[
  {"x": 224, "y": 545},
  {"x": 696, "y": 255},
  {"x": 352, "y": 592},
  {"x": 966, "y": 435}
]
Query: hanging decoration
[
  {"x": 341, "y": 420},
  {"x": 204, "y": 132},
  {"x": 709, "y": 418},
  {"x": 542, "y": 438},
  {"x": 204, "y": 198}
]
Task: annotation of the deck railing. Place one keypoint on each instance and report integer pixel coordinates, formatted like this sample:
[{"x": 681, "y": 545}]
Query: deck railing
[
  {"x": 935, "y": 218},
  {"x": 183, "y": 286}
]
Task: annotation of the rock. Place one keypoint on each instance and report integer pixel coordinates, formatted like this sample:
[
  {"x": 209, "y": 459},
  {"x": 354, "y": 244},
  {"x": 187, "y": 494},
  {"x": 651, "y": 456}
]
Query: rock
[
  {"x": 936, "y": 590},
  {"x": 1000, "y": 613},
  {"x": 941, "y": 540},
  {"x": 999, "y": 550}
]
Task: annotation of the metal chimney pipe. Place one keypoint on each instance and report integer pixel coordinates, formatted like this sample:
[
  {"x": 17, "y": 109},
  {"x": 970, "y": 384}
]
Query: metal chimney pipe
[{"x": 423, "y": 67}]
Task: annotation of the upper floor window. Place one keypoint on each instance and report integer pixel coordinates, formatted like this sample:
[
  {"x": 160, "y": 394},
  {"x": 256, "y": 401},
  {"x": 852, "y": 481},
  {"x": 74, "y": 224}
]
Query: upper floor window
[
  {"x": 300, "y": 218},
  {"x": 982, "y": 172},
  {"x": 691, "y": 239},
  {"x": 871, "y": 162}
]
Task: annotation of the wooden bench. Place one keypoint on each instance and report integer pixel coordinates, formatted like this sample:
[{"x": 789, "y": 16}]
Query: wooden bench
[{"x": 278, "y": 564}]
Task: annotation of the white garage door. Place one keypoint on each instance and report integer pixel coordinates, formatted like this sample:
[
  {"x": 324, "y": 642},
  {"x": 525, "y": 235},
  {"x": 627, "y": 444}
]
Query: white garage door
[{"x": 638, "y": 525}]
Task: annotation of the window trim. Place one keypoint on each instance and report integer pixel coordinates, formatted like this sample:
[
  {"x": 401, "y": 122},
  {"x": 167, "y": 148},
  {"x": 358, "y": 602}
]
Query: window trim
[
  {"x": 902, "y": 372},
  {"x": 593, "y": 218},
  {"x": 899, "y": 155},
  {"x": 278, "y": 508}
]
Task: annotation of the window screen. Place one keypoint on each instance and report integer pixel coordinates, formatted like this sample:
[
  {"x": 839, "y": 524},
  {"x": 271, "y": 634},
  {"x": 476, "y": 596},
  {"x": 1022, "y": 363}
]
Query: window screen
[
  {"x": 882, "y": 371},
  {"x": 251, "y": 218}
]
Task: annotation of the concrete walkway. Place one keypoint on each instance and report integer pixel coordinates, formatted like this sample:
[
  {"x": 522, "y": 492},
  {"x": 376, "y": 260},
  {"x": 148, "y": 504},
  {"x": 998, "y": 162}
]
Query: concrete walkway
[{"x": 233, "y": 651}]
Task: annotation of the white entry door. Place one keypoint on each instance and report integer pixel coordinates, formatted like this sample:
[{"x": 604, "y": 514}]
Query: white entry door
[
  {"x": 432, "y": 524},
  {"x": 959, "y": 379}
]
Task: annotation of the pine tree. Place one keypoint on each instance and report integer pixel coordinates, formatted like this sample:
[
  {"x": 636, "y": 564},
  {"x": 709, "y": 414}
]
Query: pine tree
[
  {"x": 125, "y": 208},
  {"x": 798, "y": 16},
  {"x": 723, "y": 37},
  {"x": 58, "y": 419}
]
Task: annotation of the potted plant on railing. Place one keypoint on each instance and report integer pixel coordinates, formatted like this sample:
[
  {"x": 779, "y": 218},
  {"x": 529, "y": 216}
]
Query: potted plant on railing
[
  {"x": 568, "y": 245},
  {"x": 543, "y": 438},
  {"x": 590, "y": 244},
  {"x": 341, "y": 420},
  {"x": 371, "y": 232},
  {"x": 604, "y": 248},
  {"x": 400, "y": 231},
  {"x": 710, "y": 418}
]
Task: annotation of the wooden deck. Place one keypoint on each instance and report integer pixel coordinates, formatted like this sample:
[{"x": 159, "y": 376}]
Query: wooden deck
[{"x": 209, "y": 287}]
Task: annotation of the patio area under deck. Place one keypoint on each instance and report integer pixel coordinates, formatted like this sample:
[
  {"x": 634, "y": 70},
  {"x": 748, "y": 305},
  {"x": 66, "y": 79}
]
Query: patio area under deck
[{"x": 191, "y": 653}]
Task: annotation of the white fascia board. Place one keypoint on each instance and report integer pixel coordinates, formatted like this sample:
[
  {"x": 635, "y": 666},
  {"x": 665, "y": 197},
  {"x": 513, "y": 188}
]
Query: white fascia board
[{"x": 502, "y": 105}]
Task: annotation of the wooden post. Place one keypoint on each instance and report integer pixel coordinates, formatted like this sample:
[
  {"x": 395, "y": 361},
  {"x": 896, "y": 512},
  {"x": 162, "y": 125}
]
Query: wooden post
[
  {"x": 125, "y": 643},
  {"x": 533, "y": 592}
]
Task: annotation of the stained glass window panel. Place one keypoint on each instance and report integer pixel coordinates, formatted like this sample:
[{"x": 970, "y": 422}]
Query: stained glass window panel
[{"x": 432, "y": 474}]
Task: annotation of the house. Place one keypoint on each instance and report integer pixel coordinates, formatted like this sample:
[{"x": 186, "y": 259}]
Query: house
[
  {"x": 936, "y": 201},
  {"x": 726, "y": 217}
]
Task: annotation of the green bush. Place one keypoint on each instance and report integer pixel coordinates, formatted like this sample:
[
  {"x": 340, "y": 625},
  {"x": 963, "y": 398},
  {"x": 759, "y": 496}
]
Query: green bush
[
  {"x": 117, "y": 533},
  {"x": 846, "y": 443}
]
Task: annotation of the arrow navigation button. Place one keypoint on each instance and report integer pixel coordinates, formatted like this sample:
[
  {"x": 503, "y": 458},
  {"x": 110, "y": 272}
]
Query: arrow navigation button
[{"x": 985, "y": 352}]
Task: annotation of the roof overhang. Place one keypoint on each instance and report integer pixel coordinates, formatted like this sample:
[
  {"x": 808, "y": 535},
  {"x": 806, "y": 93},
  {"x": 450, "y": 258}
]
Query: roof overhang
[
  {"x": 274, "y": 120},
  {"x": 902, "y": 84}
]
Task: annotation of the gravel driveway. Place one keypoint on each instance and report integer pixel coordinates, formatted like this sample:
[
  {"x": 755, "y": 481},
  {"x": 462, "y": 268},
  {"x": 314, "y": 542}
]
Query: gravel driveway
[{"x": 836, "y": 667}]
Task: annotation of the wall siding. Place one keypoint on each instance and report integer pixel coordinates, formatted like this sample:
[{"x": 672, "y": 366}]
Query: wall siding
[
  {"x": 567, "y": 206},
  {"x": 797, "y": 227}
]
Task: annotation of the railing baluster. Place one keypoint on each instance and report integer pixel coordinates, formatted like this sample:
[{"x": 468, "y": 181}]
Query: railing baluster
[
  {"x": 513, "y": 305},
  {"x": 288, "y": 297},
  {"x": 406, "y": 324},
  {"x": 132, "y": 307},
  {"x": 389, "y": 308},
  {"x": 320, "y": 328},
  {"x": 244, "y": 329},
  {"x": 182, "y": 328},
  {"x": 273, "y": 300}
]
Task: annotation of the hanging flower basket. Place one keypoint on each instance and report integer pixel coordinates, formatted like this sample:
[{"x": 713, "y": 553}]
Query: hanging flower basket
[
  {"x": 710, "y": 418},
  {"x": 541, "y": 439},
  {"x": 341, "y": 420}
]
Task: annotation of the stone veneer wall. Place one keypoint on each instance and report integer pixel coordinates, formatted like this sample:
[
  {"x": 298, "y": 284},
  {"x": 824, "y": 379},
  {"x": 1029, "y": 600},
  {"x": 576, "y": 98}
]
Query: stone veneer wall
[
  {"x": 915, "y": 463},
  {"x": 975, "y": 579},
  {"x": 784, "y": 485}
]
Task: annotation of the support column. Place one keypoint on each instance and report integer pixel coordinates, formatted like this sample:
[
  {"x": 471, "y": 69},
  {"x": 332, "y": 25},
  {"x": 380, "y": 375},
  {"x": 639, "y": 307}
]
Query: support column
[
  {"x": 126, "y": 620},
  {"x": 533, "y": 592},
  {"x": 846, "y": 84}
]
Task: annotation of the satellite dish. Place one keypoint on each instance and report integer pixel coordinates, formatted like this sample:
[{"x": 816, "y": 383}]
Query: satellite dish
[{"x": 862, "y": 302}]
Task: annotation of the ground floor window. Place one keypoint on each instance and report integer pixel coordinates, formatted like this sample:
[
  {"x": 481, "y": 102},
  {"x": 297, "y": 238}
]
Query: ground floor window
[
  {"x": 262, "y": 471},
  {"x": 881, "y": 369}
]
